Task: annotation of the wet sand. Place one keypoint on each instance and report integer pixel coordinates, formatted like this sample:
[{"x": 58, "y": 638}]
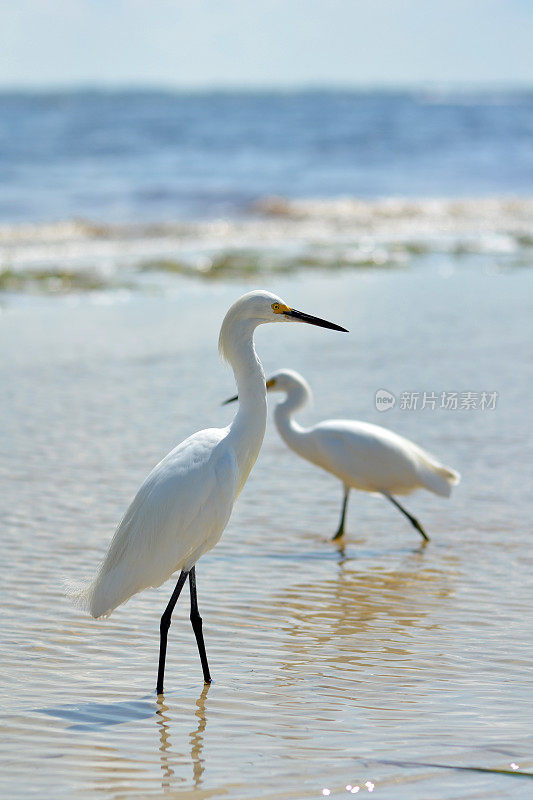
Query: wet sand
[{"x": 363, "y": 665}]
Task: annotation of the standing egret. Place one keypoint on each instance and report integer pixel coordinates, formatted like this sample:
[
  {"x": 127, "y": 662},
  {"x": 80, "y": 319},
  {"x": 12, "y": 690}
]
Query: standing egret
[
  {"x": 183, "y": 506},
  {"x": 363, "y": 456}
]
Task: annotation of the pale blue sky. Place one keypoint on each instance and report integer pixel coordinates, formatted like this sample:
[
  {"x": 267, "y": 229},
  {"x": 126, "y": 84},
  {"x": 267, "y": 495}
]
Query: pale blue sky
[{"x": 265, "y": 42}]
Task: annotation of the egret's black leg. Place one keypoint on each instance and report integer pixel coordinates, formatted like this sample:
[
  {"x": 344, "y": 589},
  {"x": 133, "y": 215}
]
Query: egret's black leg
[
  {"x": 163, "y": 629},
  {"x": 414, "y": 522},
  {"x": 196, "y": 622},
  {"x": 340, "y": 531}
]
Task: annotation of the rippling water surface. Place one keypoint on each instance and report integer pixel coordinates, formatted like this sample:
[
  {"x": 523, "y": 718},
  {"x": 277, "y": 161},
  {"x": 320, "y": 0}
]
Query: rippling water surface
[
  {"x": 149, "y": 155},
  {"x": 363, "y": 666}
]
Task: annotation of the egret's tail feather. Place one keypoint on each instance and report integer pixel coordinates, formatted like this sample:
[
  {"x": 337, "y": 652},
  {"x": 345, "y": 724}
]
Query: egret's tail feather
[
  {"x": 114, "y": 584},
  {"x": 87, "y": 597},
  {"x": 111, "y": 589},
  {"x": 91, "y": 596},
  {"x": 79, "y": 592},
  {"x": 438, "y": 478}
]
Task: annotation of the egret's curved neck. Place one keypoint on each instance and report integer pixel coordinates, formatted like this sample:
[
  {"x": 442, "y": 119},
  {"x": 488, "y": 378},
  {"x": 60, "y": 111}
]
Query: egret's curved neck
[
  {"x": 248, "y": 427},
  {"x": 289, "y": 430}
]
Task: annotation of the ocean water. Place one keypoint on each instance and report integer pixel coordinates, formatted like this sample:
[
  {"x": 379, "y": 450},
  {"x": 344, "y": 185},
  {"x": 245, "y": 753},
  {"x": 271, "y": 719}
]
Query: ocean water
[
  {"x": 129, "y": 223},
  {"x": 149, "y": 156},
  {"x": 119, "y": 189}
]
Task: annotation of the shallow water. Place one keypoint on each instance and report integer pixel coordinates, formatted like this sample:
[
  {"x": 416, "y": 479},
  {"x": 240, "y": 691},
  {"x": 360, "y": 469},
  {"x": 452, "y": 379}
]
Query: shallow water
[{"x": 365, "y": 665}]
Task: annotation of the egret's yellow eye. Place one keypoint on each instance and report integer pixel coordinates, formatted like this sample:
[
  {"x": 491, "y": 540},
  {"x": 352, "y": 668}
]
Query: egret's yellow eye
[
  {"x": 270, "y": 383},
  {"x": 280, "y": 308}
]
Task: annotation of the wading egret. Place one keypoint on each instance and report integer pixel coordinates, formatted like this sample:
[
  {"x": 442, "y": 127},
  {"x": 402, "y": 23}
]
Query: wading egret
[
  {"x": 363, "y": 456},
  {"x": 183, "y": 506}
]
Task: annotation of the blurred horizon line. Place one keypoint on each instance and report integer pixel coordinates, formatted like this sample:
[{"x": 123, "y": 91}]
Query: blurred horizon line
[{"x": 436, "y": 87}]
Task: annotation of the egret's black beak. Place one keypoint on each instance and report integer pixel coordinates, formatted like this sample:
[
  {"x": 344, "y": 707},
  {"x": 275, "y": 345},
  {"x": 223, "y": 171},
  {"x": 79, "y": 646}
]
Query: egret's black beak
[
  {"x": 322, "y": 323},
  {"x": 230, "y": 400}
]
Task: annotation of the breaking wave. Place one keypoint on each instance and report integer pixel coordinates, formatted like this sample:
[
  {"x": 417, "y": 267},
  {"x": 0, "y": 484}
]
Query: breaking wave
[{"x": 277, "y": 235}]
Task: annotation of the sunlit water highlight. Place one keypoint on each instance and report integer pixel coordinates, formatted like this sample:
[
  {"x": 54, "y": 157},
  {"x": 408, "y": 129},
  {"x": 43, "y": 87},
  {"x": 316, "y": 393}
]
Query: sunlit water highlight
[{"x": 362, "y": 666}]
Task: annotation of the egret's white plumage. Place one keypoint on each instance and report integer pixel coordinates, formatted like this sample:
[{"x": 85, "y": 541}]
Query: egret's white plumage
[
  {"x": 190, "y": 492},
  {"x": 183, "y": 506},
  {"x": 363, "y": 456}
]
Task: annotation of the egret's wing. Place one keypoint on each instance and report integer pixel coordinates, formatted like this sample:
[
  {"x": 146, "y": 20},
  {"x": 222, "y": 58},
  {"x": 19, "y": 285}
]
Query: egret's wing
[
  {"x": 376, "y": 459},
  {"x": 397, "y": 464},
  {"x": 178, "y": 513},
  {"x": 369, "y": 456}
]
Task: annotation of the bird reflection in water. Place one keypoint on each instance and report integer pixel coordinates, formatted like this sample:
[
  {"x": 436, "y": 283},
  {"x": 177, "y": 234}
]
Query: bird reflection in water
[
  {"x": 359, "y": 614},
  {"x": 345, "y": 553},
  {"x": 196, "y": 740}
]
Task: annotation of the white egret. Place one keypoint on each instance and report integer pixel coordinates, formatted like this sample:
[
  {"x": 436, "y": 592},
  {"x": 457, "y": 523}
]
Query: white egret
[
  {"x": 183, "y": 506},
  {"x": 363, "y": 456}
]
